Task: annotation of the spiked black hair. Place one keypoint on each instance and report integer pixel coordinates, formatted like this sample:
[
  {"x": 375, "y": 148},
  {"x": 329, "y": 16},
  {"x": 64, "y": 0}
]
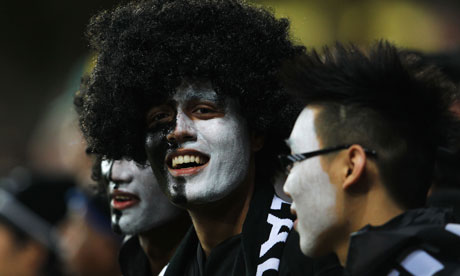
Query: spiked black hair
[
  {"x": 145, "y": 49},
  {"x": 385, "y": 100},
  {"x": 447, "y": 174}
]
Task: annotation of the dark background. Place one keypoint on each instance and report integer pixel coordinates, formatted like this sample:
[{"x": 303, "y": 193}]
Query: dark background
[{"x": 40, "y": 42}]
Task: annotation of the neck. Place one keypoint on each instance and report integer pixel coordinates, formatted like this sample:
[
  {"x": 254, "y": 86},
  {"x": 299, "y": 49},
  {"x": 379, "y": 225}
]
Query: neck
[
  {"x": 161, "y": 242},
  {"x": 221, "y": 220},
  {"x": 375, "y": 208}
]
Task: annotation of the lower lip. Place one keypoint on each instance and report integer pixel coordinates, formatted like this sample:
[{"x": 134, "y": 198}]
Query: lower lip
[
  {"x": 187, "y": 171},
  {"x": 121, "y": 205}
]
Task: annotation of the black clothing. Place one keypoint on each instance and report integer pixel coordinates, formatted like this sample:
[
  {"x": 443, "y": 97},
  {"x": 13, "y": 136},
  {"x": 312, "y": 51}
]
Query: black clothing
[
  {"x": 259, "y": 250},
  {"x": 132, "y": 258},
  {"x": 446, "y": 198},
  {"x": 417, "y": 239}
]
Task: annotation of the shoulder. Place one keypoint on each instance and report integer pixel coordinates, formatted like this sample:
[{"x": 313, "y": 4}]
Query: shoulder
[{"x": 436, "y": 252}]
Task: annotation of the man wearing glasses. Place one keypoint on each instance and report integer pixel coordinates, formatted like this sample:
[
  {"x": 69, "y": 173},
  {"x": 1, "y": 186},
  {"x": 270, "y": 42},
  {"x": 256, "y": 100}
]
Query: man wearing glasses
[
  {"x": 192, "y": 87},
  {"x": 363, "y": 153}
]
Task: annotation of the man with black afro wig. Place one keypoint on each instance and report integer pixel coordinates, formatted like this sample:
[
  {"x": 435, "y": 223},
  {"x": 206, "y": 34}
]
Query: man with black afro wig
[
  {"x": 191, "y": 86},
  {"x": 364, "y": 150}
]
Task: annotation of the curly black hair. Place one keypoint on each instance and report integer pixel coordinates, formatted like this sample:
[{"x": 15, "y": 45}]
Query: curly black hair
[
  {"x": 146, "y": 49},
  {"x": 387, "y": 100}
]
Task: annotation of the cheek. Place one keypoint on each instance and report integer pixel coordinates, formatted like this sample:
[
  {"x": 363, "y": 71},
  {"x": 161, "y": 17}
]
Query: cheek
[
  {"x": 156, "y": 144},
  {"x": 227, "y": 135},
  {"x": 307, "y": 180},
  {"x": 156, "y": 147},
  {"x": 293, "y": 183}
]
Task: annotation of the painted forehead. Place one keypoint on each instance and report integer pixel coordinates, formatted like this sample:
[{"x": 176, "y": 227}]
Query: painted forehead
[
  {"x": 197, "y": 92},
  {"x": 303, "y": 136}
]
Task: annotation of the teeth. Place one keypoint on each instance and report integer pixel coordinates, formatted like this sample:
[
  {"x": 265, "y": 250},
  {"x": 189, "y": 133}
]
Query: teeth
[
  {"x": 121, "y": 198},
  {"x": 181, "y": 159}
]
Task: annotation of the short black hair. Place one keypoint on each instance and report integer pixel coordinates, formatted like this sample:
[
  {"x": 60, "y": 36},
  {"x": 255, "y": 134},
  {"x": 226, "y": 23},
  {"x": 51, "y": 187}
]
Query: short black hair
[
  {"x": 447, "y": 61},
  {"x": 447, "y": 174},
  {"x": 385, "y": 100},
  {"x": 145, "y": 49}
]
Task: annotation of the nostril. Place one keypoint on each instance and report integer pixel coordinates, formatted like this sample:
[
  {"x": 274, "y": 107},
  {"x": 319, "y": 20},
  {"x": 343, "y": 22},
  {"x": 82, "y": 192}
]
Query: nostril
[
  {"x": 180, "y": 136},
  {"x": 170, "y": 137}
]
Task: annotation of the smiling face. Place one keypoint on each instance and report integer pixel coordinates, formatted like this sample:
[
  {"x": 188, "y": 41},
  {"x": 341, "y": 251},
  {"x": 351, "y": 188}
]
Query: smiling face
[
  {"x": 200, "y": 145},
  {"x": 136, "y": 201},
  {"x": 309, "y": 186}
]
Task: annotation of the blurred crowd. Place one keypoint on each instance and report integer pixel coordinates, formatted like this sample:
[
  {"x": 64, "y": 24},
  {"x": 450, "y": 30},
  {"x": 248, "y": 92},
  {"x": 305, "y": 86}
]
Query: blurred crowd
[{"x": 55, "y": 216}]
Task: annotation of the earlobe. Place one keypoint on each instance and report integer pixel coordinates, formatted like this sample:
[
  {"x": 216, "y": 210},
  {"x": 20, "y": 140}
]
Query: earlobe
[{"x": 356, "y": 163}]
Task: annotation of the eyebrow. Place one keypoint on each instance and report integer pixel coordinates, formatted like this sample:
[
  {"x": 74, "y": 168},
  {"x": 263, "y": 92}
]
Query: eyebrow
[{"x": 194, "y": 95}]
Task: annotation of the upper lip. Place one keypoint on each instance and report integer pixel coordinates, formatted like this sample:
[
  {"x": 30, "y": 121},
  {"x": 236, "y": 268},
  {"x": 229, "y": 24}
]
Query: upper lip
[
  {"x": 116, "y": 193},
  {"x": 179, "y": 152}
]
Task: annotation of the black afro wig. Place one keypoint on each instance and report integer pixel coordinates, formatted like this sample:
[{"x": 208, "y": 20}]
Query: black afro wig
[{"x": 146, "y": 49}]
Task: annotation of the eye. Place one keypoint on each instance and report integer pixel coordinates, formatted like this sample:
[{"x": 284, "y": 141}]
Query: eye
[
  {"x": 159, "y": 115},
  {"x": 205, "y": 111},
  {"x": 202, "y": 110}
]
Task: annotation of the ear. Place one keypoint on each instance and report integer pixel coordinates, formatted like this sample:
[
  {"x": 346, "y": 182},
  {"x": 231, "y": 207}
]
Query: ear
[
  {"x": 257, "y": 141},
  {"x": 356, "y": 164}
]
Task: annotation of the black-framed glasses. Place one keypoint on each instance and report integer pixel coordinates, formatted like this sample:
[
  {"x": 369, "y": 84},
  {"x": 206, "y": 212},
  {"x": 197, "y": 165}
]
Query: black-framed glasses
[{"x": 288, "y": 160}]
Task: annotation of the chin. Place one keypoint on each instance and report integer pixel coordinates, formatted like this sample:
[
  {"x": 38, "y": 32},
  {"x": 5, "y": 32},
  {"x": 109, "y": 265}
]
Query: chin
[
  {"x": 314, "y": 246},
  {"x": 309, "y": 250},
  {"x": 178, "y": 200}
]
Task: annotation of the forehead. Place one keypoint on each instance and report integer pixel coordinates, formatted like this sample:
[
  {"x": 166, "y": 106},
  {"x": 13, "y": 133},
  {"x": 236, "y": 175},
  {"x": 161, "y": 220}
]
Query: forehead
[
  {"x": 188, "y": 92},
  {"x": 303, "y": 137}
]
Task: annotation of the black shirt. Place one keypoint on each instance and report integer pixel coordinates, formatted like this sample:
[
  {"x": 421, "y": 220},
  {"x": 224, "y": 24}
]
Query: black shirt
[
  {"x": 132, "y": 258},
  {"x": 258, "y": 250},
  {"x": 417, "y": 239}
]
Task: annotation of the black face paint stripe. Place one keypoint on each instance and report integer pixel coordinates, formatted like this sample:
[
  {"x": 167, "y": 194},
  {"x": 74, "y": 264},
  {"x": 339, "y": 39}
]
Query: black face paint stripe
[
  {"x": 116, "y": 225},
  {"x": 157, "y": 147}
]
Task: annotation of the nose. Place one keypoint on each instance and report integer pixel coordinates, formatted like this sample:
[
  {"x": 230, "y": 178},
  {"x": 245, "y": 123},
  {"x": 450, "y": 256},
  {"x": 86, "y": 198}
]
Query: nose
[
  {"x": 286, "y": 187},
  {"x": 184, "y": 130},
  {"x": 121, "y": 172}
]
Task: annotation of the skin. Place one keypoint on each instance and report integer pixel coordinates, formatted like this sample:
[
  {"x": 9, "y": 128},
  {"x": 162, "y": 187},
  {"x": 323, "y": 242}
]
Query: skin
[
  {"x": 216, "y": 194},
  {"x": 210, "y": 125},
  {"x": 158, "y": 224},
  {"x": 314, "y": 197},
  {"x": 19, "y": 259},
  {"x": 85, "y": 250},
  {"x": 129, "y": 177},
  {"x": 333, "y": 195}
]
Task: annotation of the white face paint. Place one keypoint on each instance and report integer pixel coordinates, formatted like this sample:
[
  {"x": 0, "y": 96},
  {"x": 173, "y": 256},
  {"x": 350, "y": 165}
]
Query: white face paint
[
  {"x": 136, "y": 201},
  {"x": 313, "y": 195},
  {"x": 210, "y": 126}
]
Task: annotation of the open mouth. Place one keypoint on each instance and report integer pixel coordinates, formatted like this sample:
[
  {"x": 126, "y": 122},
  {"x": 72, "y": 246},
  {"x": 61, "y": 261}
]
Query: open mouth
[
  {"x": 123, "y": 200},
  {"x": 186, "y": 162}
]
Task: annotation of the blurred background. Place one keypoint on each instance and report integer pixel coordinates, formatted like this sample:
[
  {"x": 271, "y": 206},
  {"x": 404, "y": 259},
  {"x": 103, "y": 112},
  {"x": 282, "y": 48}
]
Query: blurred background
[{"x": 43, "y": 53}]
